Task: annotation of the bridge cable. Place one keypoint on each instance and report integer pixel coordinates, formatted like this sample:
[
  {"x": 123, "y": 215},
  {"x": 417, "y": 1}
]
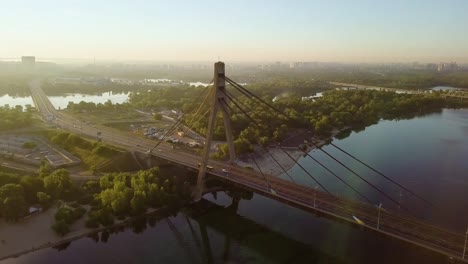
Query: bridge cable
[
  {"x": 197, "y": 111},
  {"x": 254, "y": 160},
  {"x": 173, "y": 127},
  {"x": 271, "y": 155},
  {"x": 188, "y": 128},
  {"x": 353, "y": 172},
  {"x": 199, "y": 108},
  {"x": 244, "y": 91},
  {"x": 251, "y": 95},
  {"x": 339, "y": 178},
  {"x": 381, "y": 174},
  {"x": 231, "y": 97},
  {"x": 256, "y": 124}
]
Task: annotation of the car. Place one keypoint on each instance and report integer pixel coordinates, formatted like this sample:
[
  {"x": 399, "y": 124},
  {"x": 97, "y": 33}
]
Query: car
[{"x": 225, "y": 171}]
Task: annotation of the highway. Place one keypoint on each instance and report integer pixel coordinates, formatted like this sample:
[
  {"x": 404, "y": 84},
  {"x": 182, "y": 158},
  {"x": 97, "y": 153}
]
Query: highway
[{"x": 405, "y": 228}]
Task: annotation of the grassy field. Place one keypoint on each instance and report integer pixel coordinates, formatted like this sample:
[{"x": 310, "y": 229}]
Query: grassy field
[
  {"x": 111, "y": 116},
  {"x": 92, "y": 153}
]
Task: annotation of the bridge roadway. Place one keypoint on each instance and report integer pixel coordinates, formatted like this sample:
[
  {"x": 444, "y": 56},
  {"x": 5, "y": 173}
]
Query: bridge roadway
[{"x": 405, "y": 228}]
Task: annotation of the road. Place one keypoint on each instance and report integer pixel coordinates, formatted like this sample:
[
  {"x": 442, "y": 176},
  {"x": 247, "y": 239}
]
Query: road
[{"x": 405, "y": 228}]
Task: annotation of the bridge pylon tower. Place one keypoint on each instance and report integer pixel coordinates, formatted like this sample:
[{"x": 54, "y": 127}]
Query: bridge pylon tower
[{"x": 217, "y": 96}]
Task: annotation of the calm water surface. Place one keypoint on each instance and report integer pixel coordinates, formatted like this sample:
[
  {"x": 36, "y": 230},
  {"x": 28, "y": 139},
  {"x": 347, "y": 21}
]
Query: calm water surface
[
  {"x": 12, "y": 101},
  {"x": 427, "y": 153},
  {"x": 444, "y": 88},
  {"x": 61, "y": 102}
]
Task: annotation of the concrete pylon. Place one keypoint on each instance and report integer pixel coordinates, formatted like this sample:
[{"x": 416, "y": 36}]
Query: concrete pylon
[{"x": 217, "y": 97}]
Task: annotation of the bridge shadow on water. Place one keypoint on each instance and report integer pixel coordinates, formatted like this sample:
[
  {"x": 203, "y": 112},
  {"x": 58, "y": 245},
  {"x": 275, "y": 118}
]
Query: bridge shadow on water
[
  {"x": 254, "y": 242},
  {"x": 220, "y": 230}
]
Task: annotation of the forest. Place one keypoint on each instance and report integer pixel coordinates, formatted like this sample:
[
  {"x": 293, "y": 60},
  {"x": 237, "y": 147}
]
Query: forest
[
  {"x": 408, "y": 79},
  {"x": 14, "y": 85},
  {"x": 336, "y": 109},
  {"x": 114, "y": 195},
  {"x": 15, "y": 117}
]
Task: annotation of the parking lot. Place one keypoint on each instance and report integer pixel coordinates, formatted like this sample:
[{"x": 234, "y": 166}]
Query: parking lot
[{"x": 31, "y": 150}]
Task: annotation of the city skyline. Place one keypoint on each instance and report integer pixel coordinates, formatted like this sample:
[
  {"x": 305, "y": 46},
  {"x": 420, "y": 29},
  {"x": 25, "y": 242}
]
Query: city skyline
[{"x": 245, "y": 31}]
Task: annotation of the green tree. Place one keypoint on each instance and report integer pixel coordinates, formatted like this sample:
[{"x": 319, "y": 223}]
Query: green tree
[
  {"x": 138, "y": 202},
  {"x": 44, "y": 200},
  {"x": 157, "y": 116},
  {"x": 12, "y": 201},
  {"x": 14, "y": 207},
  {"x": 44, "y": 169},
  {"x": 29, "y": 145},
  {"x": 31, "y": 186},
  {"x": 58, "y": 183},
  {"x": 61, "y": 227},
  {"x": 78, "y": 213},
  {"x": 91, "y": 187},
  {"x": 106, "y": 182},
  {"x": 154, "y": 195},
  {"x": 264, "y": 141},
  {"x": 64, "y": 214},
  {"x": 6, "y": 178},
  {"x": 118, "y": 198},
  {"x": 105, "y": 216}
]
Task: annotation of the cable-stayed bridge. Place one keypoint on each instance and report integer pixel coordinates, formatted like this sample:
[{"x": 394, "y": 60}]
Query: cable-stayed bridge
[{"x": 219, "y": 99}]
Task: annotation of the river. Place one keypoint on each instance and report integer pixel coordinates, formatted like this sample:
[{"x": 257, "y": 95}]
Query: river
[{"x": 427, "y": 154}]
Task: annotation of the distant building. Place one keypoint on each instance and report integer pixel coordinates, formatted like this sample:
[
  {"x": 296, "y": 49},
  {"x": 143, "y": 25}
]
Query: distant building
[
  {"x": 28, "y": 59},
  {"x": 431, "y": 66},
  {"x": 447, "y": 67}
]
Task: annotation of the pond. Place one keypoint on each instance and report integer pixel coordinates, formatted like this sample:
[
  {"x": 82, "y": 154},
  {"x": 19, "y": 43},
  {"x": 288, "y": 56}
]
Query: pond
[
  {"x": 12, "y": 101},
  {"x": 444, "y": 88},
  {"x": 61, "y": 102}
]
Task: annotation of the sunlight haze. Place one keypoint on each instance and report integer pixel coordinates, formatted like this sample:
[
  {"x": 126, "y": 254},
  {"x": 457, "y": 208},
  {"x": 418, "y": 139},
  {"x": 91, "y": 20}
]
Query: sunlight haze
[{"x": 343, "y": 31}]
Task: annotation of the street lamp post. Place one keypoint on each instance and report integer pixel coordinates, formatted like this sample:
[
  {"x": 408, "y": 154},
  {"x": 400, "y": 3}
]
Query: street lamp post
[
  {"x": 378, "y": 216},
  {"x": 315, "y": 196},
  {"x": 399, "y": 202},
  {"x": 464, "y": 247}
]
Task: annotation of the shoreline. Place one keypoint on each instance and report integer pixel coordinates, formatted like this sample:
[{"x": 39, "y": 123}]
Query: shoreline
[
  {"x": 269, "y": 165},
  {"x": 79, "y": 233}
]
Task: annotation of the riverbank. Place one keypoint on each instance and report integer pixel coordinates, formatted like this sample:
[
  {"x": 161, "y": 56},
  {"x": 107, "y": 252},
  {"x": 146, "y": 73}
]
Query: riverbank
[{"x": 295, "y": 149}]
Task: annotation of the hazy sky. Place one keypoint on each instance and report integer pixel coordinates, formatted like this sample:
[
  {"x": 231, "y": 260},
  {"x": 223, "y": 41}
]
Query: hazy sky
[{"x": 250, "y": 30}]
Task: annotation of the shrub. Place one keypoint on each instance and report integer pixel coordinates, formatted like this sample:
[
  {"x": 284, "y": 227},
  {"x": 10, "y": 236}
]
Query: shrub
[
  {"x": 61, "y": 227},
  {"x": 92, "y": 223},
  {"x": 44, "y": 200},
  {"x": 29, "y": 144},
  {"x": 78, "y": 213},
  {"x": 65, "y": 214}
]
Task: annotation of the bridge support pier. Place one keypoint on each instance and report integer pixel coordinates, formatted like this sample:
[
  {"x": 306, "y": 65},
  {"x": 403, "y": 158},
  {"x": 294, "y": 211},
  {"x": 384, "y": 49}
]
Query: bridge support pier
[
  {"x": 218, "y": 96},
  {"x": 235, "y": 203}
]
